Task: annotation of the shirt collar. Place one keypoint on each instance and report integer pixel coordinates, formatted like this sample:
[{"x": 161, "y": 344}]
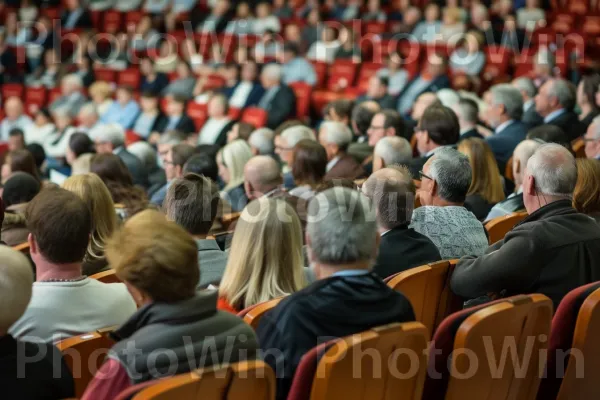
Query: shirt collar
[
  {"x": 528, "y": 104},
  {"x": 503, "y": 126},
  {"x": 332, "y": 163},
  {"x": 553, "y": 115},
  {"x": 351, "y": 272},
  {"x": 117, "y": 149}
]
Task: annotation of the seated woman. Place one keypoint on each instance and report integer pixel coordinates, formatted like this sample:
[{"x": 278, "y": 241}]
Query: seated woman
[
  {"x": 95, "y": 194},
  {"x": 128, "y": 199},
  {"x": 19, "y": 160},
  {"x": 101, "y": 94},
  {"x": 18, "y": 191},
  {"x": 586, "y": 197},
  {"x": 468, "y": 58},
  {"x": 79, "y": 153},
  {"x": 184, "y": 84},
  {"x": 587, "y": 92},
  {"x": 309, "y": 165},
  {"x": 486, "y": 185},
  {"x": 158, "y": 262},
  {"x": 265, "y": 258},
  {"x": 41, "y": 128},
  {"x": 231, "y": 160}
]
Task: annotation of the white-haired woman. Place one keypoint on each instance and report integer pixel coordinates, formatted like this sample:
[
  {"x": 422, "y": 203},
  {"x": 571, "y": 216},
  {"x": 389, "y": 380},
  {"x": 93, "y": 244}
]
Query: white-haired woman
[
  {"x": 265, "y": 259},
  {"x": 231, "y": 161}
]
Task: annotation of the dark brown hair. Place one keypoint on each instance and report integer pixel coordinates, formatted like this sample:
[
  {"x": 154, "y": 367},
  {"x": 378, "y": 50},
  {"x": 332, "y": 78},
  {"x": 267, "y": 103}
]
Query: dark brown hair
[
  {"x": 309, "y": 163},
  {"x": 245, "y": 130},
  {"x": 23, "y": 161},
  {"x": 181, "y": 153},
  {"x": 60, "y": 223},
  {"x": 590, "y": 87},
  {"x": 441, "y": 124}
]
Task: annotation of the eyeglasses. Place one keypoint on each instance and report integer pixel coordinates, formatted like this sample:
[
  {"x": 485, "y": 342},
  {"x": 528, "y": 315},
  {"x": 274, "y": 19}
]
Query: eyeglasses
[
  {"x": 376, "y": 127},
  {"x": 589, "y": 140},
  {"x": 422, "y": 175}
]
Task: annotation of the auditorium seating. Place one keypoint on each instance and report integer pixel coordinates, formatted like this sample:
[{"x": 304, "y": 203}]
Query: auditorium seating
[
  {"x": 497, "y": 228},
  {"x": 253, "y": 314},
  {"x": 23, "y": 248},
  {"x": 255, "y": 116},
  {"x": 578, "y": 146},
  {"x": 239, "y": 381},
  {"x": 106, "y": 276},
  {"x": 428, "y": 290}
]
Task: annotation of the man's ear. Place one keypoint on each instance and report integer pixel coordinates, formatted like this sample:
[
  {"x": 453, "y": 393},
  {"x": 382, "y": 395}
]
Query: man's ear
[
  {"x": 529, "y": 185},
  {"x": 433, "y": 188},
  {"x": 517, "y": 164}
]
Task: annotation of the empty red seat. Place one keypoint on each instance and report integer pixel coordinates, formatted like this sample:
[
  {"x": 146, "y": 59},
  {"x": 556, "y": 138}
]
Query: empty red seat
[
  {"x": 367, "y": 70},
  {"x": 321, "y": 72},
  {"x": 320, "y": 98},
  {"x": 35, "y": 98},
  {"x": 255, "y": 116},
  {"x": 112, "y": 21},
  {"x": 105, "y": 74},
  {"x": 374, "y": 27},
  {"x": 303, "y": 92},
  {"x": 12, "y": 90},
  {"x": 341, "y": 74},
  {"x": 132, "y": 18},
  {"x": 497, "y": 61},
  {"x": 130, "y": 77},
  {"x": 131, "y": 137},
  {"x": 198, "y": 112},
  {"x": 234, "y": 113}
]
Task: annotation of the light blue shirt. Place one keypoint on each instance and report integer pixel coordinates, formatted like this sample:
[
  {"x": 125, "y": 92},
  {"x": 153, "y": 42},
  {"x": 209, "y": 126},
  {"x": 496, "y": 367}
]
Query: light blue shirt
[
  {"x": 265, "y": 101},
  {"x": 299, "y": 70},
  {"x": 71, "y": 21},
  {"x": 410, "y": 96},
  {"x": 143, "y": 125},
  {"x": 502, "y": 126},
  {"x": 173, "y": 121},
  {"x": 351, "y": 272},
  {"x": 124, "y": 116},
  {"x": 553, "y": 115}
]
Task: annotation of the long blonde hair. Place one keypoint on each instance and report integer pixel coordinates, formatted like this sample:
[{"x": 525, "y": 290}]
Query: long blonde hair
[
  {"x": 486, "y": 180},
  {"x": 234, "y": 157},
  {"x": 90, "y": 188},
  {"x": 265, "y": 260}
]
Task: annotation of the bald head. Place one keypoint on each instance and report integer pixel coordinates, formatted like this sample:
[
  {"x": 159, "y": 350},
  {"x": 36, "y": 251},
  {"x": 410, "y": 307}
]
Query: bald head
[
  {"x": 261, "y": 175},
  {"x": 521, "y": 155},
  {"x": 13, "y": 108}
]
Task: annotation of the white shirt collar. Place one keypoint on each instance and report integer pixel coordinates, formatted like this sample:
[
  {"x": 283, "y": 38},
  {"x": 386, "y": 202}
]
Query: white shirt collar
[
  {"x": 503, "y": 126},
  {"x": 528, "y": 104},
  {"x": 553, "y": 115},
  {"x": 332, "y": 163}
]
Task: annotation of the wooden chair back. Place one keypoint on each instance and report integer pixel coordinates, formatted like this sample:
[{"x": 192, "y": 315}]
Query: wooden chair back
[
  {"x": 497, "y": 228},
  {"x": 508, "y": 170},
  {"x": 578, "y": 146},
  {"x": 240, "y": 381},
  {"x": 579, "y": 383},
  {"x": 22, "y": 248},
  {"x": 84, "y": 354},
  {"x": 106, "y": 276},
  {"x": 227, "y": 220},
  {"x": 346, "y": 372},
  {"x": 254, "y": 314}
]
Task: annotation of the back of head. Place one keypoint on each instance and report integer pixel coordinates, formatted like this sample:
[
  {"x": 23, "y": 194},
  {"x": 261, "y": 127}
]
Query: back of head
[
  {"x": 586, "y": 197},
  {"x": 202, "y": 164},
  {"x": 16, "y": 280},
  {"x": 263, "y": 172},
  {"x": 486, "y": 180},
  {"x": 549, "y": 134},
  {"x": 262, "y": 140},
  {"x": 507, "y": 95},
  {"x": 341, "y": 228},
  {"x": 234, "y": 157},
  {"x": 392, "y": 191},
  {"x": 192, "y": 202},
  {"x": 155, "y": 256},
  {"x": 362, "y": 114},
  {"x": 20, "y": 188},
  {"x": 336, "y": 133},
  {"x": 39, "y": 155},
  {"x": 525, "y": 150},
  {"x": 80, "y": 143},
  {"x": 392, "y": 119},
  {"x": 448, "y": 97},
  {"x": 554, "y": 169},
  {"x": 22, "y": 160},
  {"x": 60, "y": 223},
  {"x": 265, "y": 260},
  {"x": 441, "y": 125},
  {"x": 469, "y": 110},
  {"x": 309, "y": 163},
  {"x": 526, "y": 86},
  {"x": 452, "y": 172},
  {"x": 182, "y": 153},
  {"x": 110, "y": 133},
  {"x": 295, "y": 134},
  {"x": 394, "y": 150},
  {"x": 564, "y": 91},
  {"x": 145, "y": 153}
]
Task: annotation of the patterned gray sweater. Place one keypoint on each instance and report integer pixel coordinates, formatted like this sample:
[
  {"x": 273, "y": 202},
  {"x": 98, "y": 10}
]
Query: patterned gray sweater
[{"x": 454, "y": 230}]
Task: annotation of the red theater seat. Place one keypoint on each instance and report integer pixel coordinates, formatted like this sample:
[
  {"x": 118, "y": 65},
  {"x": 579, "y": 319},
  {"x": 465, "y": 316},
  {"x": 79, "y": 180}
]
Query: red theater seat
[
  {"x": 130, "y": 77},
  {"x": 12, "y": 90},
  {"x": 303, "y": 92},
  {"x": 198, "y": 112},
  {"x": 255, "y": 116}
]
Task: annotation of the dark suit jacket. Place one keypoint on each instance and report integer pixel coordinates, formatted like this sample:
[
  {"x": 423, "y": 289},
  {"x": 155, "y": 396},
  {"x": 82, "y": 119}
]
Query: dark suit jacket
[
  {"x": 569, "y": 123},
  {"x": 253, "y": 97},
  {"x": 386, "y": 102},
  {"x": 282, "y": 106},
  {"x": 587, "y": 120},
  {"x": 473, "y": 133},
  {"x": 185, "y": 125},
  {"x": 532, "y": 118},
  {"x": 135, "y": 167},
  {"x": 237, "y": 198},
  {"x": 478, "y": 206},
  {"x": 83, "y": 22},
  {"x": 416, "y": 165},
  {"x": 156, "y": 86},
  {"x": 403, "y": 248},
  {"x": 334, "y": 307},
  {"x": 441, "y": 82},
  {"x": 503, "y": 144},
  {"x": 345, "y": 168}
]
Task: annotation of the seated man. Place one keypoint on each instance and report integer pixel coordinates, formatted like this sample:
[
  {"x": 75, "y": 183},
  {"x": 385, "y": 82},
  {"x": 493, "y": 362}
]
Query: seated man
[
  {"x": 72, "y": 97},
  {"x": 28, "y": 370},
  {"x": 445, "y": 181},
  {"x": 377, "y": 91},
  {"x": 335, "y": 137},
  {"x": 553, "y": 251},
  {"x": 173, "y": 162},
  {"x": 192, "y": 202},
  {"x": 348, "y": 299},
  {"x": 391, "y": 150},
  {"x": 65, "y": 303},
  {"x": 393, "y": 194},
  {"x": 214, "y": 130},
  {"x": 124, "y": 111},
  {"x": 15, "y": 118},
  {"x": 279, "y": 99}
]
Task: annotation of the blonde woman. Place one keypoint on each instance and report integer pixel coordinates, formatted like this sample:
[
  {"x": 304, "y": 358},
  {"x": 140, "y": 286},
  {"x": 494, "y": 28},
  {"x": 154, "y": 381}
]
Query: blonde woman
[
  {"x": 231, "y": 161},
  {"x": 265, "y": 259},
  {"x": 486, "y": 184},
  {"x": 94, "y": 193}
]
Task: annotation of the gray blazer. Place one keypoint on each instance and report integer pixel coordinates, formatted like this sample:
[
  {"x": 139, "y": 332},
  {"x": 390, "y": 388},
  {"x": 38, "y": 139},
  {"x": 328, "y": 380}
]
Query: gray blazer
[{"x": 212, "y": 262}]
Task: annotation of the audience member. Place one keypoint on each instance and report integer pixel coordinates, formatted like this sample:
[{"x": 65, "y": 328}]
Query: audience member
[
  {"x": 279, "y": 100},
  {"x": 504, "y": 116},
  {"x": 586, "y": 99},
  {"x": 253, "y": 277},
  {"x": 339, "y": 111},
  {"x": 88, "y": 118},
  {"x": 79, "y": 145},
  {"x": 15, "y": 117},
  {"x": 152, "y": 81},
  {"x": 214, "y": 130},
  {"x": 183, "y": 85},
  {"x": 586, "y": 196},
  {"x": 547, "y": 133},
  {"x": 377, "y": 91},
  {"x": 296, "y": 68},
  {"x": 75, "y": 16},
  {"x": 240, "y": 130},
  {"x": 41, "y": 129},
  {"x": 247, "y": 92},
  {"x": 150, "y": 119},
  {"x": 348, "y": 50},
  {"x": 309, "y": 167},
  {"x": 124, "y": 111},
  {"x": 158, "y": 261},
  {"x": 467, "y": 112},
  {"x": 423, "y": 102},
  {"x": 261, "y": 142},
  {"x": 437, "y": 128},
  {"x": 45, "y": 374},
  {"x": 386, "y": 123},
  {"x": 284, "y": 148},
  {"x": 173, "y": 163},
  {"x": 555, "y": 102},
  {"x": 64, "y": 302},
  {"x": 428, "y": 30},
  {"x": 432, "y": 79},
  {"x": 325, "y": 47},
  {"x": 486, "y": 184},
  {"x": 592, "y": 140},
  {"x": 204, "y": 164},
  {"x": 231, "y": 160},
  {"x": 528, "y": 92},
  {"x": 192, "y": 202},
  {"x": 101, "y": 95},
  {"x": 396, "y": 75},
  {"x": 177, "y": 117},
  {"x": 18, "y": 191},
  {"x": 16, "y": 140},
  {"x": 335, "y": 137},
  {"x": 19, "y": 160},
  {"x": 468, "y": 58},
  {"x": 551, "y": 252},
  {"x": 392, "y": 192},
  {"x": 72, "y": 97},
  {"x": 146, "y": 153},
  {"x": 391, "y": 150},
  {"x": 57, "y": 142},
  {"x": 445, "y": 182},
  {"x": 348, "y": 299}
]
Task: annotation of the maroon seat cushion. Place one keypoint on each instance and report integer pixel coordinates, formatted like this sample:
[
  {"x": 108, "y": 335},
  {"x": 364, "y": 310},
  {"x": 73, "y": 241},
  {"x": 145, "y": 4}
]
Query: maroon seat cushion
[{"x": 305, "y": 373}]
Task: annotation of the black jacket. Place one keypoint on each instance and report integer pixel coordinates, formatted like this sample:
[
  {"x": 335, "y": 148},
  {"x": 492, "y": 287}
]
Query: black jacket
[
  {"x": 185, "y": 125},
  {"x": 83, "y": 22},
  {"x": 281, "y": 107},
  {"x": 552, "y": 251},
  {"x": 330, "y": 308},
  {"x": 135, "y": 167},
  {"x": 403, "y": 248},
  {"x": 503, "y": 143},
  {"x": 473, "y": 133},
  {"x": 193, "y": 330},
  {"x": 478, "y": 206},
  {"x": 37, "y": 380},
  {"x": 416, "y": 165},
  {"x": 569, "y": 123},
  {"x": 507, "y": 206},
  {"x": 531, "y": 117}
]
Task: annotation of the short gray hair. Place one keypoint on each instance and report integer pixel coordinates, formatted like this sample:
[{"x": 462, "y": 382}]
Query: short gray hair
[
  {"x": 526, "y": 85},
  {"x": 564, "y": 92},
  {"x": 510, "y": 97},
  {"x": 525, "y": 150},
  {"x": 262, "y": 139},
  {"x": 272, "y": 71},
  {"x": 16, "y": 280},
  {"x": 172, "y": 138},
  {"x": 468, "y": 110},
  {"x": 296, "y": 133},
  {"x": 452, "y": 172},
  {"x": 554, "y": 170},
  {"x": 145, "y": 153},
  {"x": 341, "y": 227},
  {"x": 110, "y": 133},
  {"x": 336, "y": 133},
  {"x": 394, "y": 150}
]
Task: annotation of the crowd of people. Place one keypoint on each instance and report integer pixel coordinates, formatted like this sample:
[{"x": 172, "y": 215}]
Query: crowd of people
[{"x": 323, "y": 209}]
